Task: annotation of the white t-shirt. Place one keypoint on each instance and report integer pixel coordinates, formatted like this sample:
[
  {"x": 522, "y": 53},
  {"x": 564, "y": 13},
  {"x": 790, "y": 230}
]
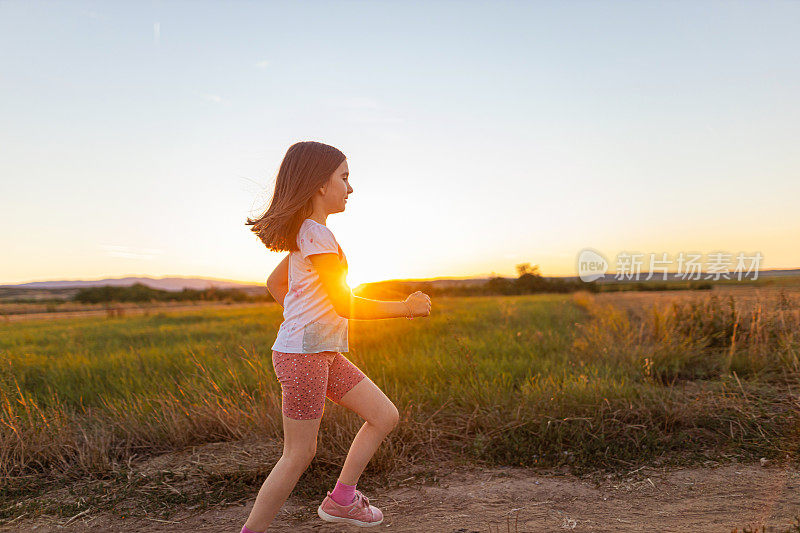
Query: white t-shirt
[{"x": 310, "y": 323}]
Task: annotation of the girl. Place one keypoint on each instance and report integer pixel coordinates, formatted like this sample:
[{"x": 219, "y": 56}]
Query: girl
[{"x": 312, "y": 183}]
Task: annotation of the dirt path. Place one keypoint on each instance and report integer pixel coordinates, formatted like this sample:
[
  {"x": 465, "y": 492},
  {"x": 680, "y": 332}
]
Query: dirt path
[{"x": 518, "y": 500}]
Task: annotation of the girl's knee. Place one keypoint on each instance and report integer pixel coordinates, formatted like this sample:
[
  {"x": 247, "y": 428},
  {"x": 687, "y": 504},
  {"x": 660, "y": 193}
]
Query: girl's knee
[
  {"x": 394, "y": 416},
  {"x": 388, "y": 419},
  {"x": 300, "y": 456}
]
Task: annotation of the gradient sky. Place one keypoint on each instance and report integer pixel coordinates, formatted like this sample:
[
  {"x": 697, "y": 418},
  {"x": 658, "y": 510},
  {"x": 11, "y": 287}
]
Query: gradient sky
[{"x": 135, "y": 138}]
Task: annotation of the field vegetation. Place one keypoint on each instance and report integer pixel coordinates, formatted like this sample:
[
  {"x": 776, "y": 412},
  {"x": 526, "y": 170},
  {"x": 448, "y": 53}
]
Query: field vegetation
[{"x": 588, "y": 382}]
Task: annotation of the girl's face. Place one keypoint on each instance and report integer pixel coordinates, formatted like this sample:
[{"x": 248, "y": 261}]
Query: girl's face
[{"x": 335, "y": 193}]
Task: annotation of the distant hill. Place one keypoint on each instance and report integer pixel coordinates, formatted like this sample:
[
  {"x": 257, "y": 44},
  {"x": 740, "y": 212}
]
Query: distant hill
[
  {"x": 166, "y": 284},
  {"x": 67, "y": 289},
  {"x": 438, "y": 282},
  {"x": 178, "y": 284}
]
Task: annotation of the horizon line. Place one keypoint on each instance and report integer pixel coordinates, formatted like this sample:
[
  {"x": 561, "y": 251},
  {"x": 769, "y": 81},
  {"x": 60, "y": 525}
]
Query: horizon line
[{"x": 240, "y": 282}]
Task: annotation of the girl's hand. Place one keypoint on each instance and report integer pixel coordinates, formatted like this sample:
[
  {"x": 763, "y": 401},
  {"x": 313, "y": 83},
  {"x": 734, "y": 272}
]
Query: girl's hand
[{"x": 420, "y": 304}]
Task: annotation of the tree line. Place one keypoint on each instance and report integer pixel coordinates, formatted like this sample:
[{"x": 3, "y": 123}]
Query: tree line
[
  {"x": 528, "y": 281},
  {"x": 139, "y": 292}
]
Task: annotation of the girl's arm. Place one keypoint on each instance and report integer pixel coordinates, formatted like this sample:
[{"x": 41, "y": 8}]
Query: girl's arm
[
  {"x": 332, "y": 276},
  {"x": 278, "y": 281}
]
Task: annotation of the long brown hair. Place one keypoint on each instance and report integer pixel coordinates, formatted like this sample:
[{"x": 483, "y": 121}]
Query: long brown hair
[{"x": 306, "y": 167}]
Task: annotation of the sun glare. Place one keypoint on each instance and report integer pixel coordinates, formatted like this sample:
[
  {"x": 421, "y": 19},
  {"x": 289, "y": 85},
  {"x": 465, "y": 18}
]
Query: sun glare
[
  {"x": 366, "y": 269},
  {"x": 356, "y": 278}
]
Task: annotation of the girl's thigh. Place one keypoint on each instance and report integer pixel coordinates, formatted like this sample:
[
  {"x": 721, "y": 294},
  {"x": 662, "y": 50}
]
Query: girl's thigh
[
  {"x": 343, "y": 375},
  {"x": 304, "y": 383},
  {"x": 362, "y": 396}
]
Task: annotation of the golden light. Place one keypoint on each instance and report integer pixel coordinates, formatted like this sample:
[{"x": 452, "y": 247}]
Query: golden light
[{"x": 364, "y": 272}]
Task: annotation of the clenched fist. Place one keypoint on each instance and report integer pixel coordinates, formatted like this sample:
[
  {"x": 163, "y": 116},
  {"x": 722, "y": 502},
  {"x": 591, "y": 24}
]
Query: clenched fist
[{"x": 420, "y": 304}]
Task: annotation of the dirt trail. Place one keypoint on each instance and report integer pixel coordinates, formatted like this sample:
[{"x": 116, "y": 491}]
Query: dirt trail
[{"x": 519, "y": 500}]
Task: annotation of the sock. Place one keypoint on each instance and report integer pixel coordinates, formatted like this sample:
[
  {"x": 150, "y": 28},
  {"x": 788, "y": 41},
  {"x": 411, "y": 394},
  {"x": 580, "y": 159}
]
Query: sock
[
  {"x": 343, "y": 494},
  {"x": 246, "y": 530}
]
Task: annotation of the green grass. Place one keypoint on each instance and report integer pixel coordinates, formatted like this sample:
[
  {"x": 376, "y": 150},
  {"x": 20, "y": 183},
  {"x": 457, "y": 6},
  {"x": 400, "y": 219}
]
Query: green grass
[{"x": 541, "y": 380}]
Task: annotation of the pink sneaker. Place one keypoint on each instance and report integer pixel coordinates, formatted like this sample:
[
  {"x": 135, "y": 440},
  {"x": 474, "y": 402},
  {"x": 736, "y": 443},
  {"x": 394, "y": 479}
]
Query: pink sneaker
[{"x": 359, "y": 513}]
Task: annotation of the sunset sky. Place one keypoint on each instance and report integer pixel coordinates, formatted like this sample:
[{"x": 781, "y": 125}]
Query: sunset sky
[{"x": 136, "y": 138}]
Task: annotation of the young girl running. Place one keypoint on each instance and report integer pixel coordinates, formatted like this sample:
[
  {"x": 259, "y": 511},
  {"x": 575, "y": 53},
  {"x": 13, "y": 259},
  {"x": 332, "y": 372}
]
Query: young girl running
[{"x": 312, "y": 183}]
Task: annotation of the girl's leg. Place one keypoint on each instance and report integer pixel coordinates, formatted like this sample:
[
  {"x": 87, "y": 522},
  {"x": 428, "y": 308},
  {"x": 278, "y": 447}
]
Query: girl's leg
[
  {"x": 300, "y": 445},
  {"x": 381, "y": 417},
  {"x": 304, "y": 382}
]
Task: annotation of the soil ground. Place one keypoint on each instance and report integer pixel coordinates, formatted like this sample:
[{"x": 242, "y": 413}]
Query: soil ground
[{"x": 723, "y": 498}]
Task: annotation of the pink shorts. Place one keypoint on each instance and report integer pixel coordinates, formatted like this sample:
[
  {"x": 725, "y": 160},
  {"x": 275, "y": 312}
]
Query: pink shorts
[{"x": 307, "y": 378}]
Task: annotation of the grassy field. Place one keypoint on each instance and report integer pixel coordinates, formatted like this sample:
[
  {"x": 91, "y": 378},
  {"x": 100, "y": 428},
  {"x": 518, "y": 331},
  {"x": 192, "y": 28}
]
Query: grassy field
[{"x": 594, "y": 382}]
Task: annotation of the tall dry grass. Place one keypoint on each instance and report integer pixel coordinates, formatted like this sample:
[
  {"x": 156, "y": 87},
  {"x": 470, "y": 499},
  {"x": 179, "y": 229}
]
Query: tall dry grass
[{"x": 701, "y": 337}]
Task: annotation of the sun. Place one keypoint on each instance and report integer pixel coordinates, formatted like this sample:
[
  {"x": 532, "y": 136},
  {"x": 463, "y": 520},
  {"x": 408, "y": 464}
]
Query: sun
[
  {"x": 362, "y": 272},
  {"x": 354, "y": 279}
]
